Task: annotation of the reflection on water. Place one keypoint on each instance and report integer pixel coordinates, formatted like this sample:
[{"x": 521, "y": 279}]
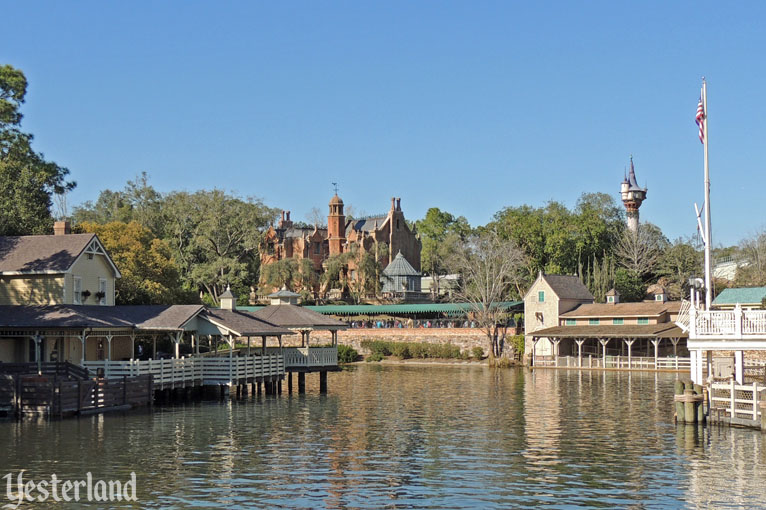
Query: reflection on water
[{"x": 412, "y": 436}]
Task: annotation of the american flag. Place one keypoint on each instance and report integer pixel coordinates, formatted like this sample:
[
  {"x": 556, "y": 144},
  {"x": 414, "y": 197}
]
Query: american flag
[{"x": 700, "y": 119}]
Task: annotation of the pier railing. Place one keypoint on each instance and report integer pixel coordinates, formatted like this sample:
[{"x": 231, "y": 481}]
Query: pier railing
[
  {"x": 616, "y": 362},
  {"x": 738, "y": 401},
  {"x": 307, "y": 357},
  {"x": 723, "y": 324},
  {"x": 190, "y": 371}
]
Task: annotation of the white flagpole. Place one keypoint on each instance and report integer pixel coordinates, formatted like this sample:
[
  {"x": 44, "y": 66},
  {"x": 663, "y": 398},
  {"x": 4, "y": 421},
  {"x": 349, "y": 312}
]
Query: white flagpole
[{"x": 708, "y": 235}]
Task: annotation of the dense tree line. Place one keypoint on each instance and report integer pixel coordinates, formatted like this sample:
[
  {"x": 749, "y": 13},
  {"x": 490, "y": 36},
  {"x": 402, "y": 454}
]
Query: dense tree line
[{"x": 212, "y": 237}]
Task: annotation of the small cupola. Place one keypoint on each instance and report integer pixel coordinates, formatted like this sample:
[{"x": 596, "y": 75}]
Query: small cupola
[
  {"x": 613, "y": 297},
  {"x": 657, "y": 293},
  {"x": 284, "y": 297},
  {"x": 227, "y": 299}
]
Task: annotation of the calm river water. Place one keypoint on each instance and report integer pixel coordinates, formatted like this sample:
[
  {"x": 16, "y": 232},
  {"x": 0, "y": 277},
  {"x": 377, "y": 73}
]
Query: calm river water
[{"x": 411, "y": 437}]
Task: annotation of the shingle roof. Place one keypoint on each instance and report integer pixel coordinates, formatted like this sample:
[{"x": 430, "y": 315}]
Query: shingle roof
[
  {"x": 366, "y": 224},
  {"x": 641, "y": 309},
  {"x": 291, "y": 316},
  {"x": 41, "y": 254},
  {"x": 662, "y": 330},
  {"x": 244, "y": 324},
  {"x": 742, "y": 295},
  {"x": 567, "y": 287},
  {"x": 400, "y": 267},
  {"x": 144, "y": 317}
]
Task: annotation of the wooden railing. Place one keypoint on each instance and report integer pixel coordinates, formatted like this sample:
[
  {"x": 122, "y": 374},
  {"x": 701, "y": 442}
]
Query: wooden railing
[
  {"x": 617, "y": 362},
  {"x": 736, "y": 400},
  {"x": 730, "y": 324},
  {"x": 201, "y": 370},
  {"x": 308, "y": 357}
]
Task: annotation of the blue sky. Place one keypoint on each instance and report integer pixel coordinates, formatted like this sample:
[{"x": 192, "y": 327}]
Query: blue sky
[{"x": 466, "y": 106}]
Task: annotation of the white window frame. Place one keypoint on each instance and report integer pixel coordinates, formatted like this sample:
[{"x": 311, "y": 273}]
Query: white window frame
[
  {"x": 102, "y": 288},
  {"x": 76, "y": 290}
]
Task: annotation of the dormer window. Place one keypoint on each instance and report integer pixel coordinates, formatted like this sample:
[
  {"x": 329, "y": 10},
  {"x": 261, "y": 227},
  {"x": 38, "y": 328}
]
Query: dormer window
[
  {"x": 659, "y": 297},
  {"x": 610, "y": 299}
]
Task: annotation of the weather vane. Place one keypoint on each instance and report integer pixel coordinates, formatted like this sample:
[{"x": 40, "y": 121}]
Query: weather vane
[{"x": 335, "y": 187}]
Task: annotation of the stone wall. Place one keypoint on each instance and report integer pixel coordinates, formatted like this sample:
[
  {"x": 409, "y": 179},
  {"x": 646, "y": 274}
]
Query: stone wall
[{"x": 465, "y": 338}]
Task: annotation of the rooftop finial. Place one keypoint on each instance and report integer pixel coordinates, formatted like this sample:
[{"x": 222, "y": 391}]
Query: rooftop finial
[{"x": 335, "y": 187}]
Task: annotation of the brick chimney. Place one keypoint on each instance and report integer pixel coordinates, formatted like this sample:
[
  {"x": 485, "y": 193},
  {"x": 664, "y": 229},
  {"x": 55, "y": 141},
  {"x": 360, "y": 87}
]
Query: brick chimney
[{"x": 62, "y": 228}]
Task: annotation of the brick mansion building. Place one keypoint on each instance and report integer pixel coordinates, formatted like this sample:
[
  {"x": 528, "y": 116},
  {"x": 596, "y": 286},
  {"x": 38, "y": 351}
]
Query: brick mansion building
[{"x": 342, "y": 235}]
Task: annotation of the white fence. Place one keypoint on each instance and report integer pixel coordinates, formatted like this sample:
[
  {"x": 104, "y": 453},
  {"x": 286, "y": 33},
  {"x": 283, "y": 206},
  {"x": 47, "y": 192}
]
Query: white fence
[
  {"x": 617, "y": 362},
  {"x": 186, "y": 370},
  {"x": 735, "y": 323},
  {"x": 737, "y": 400},
  {"x": 310, "y": 357}
]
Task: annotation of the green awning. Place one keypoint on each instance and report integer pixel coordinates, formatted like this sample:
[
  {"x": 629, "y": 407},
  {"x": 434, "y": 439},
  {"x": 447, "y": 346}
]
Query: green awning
[{"x": 450, "y": 309}]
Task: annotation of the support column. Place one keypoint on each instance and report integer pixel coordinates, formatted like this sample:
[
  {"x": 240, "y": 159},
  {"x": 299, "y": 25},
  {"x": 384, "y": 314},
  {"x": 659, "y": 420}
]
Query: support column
[
  {"x": 709, "y": 363},
  {"x": 154, "y": 346},
  {"x": 534, "y": 350},
  {"x": 579, "y": 343},
  {"x": 674, "y": 341},
  {"x": 739, "y": 367},
  {"x": 263, "y": 346},
  {"x": 82, "y": 337},
  {"x": 556, "y": 342},
  {"x": 230, "y": 341},
  {"x": 603, "y": 342},
  {"x": 248, "y": 346},
  {"x": 108, "y": 354},
  {"x": 289, "y": 376},
  {"x": 630, "y": 343},
  {"x": 656, "y": 343},
  {"x": 177, "y": 344},
  {"x": 323, "y": 381},
  {"x": 132, "y": 345}
]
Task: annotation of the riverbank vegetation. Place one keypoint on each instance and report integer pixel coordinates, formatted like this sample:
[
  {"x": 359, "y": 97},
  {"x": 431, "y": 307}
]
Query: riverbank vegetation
[{"x": 379, "y": 349}]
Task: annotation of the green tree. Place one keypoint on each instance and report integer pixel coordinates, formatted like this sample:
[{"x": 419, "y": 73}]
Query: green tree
[
  {"x": 138, "y": 202},
  {"x": 27, "y": 180},
  {"x": 677, "y": 264},
  {"x": 629, "y": 284},
  {"x": 215, "y": 239},
  {"x": 440, "y": 232},
  {"x": 149, "y": 273}
]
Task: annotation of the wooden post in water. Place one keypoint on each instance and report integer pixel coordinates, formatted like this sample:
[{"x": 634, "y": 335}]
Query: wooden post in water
[
  {"x": 289, "y": 376},
  {"x": 678, "y": 389},
  {"x": 690, "y": 411},
  {"x": 323, "y": 381},
  {"x": 700, "y": 409},
  {"x": 301, "y": 383}
]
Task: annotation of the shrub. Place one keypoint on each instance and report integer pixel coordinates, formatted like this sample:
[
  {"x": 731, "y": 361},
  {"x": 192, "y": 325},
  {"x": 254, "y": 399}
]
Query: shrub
[
  {"x": 347, "y": 354},
  {"x": 377, "y": 346},
  {"x": 501, "y": 362},
  {"x": 401, "y": 350},
  {"x": 375, "y": 356},
  {"x": 517, "y": 342},
  {"x": 477, "y": 352}
]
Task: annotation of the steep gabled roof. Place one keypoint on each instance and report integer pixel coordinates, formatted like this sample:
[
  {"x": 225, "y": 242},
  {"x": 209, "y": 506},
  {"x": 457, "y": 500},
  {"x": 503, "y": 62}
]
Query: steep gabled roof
[
  {"x": 568, "y": 287},
  {"x": 49, "y": 254},
  {"x": 367, "y": 224}
]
